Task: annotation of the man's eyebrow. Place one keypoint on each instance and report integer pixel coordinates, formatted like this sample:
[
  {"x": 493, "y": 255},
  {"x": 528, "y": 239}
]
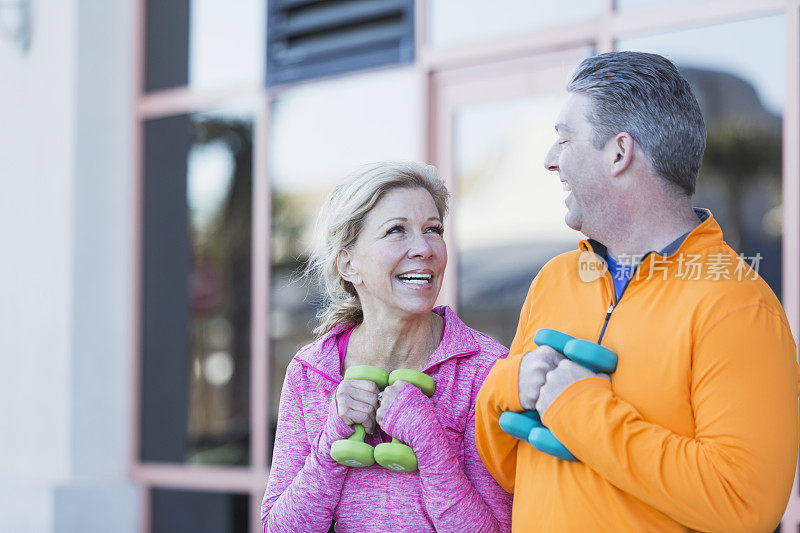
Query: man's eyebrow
[{"x": 560, "y": 126}]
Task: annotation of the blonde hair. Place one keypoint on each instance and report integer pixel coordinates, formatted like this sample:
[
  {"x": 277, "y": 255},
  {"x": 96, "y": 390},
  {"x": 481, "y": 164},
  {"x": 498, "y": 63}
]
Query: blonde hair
[{"x": 341, "y": 219}]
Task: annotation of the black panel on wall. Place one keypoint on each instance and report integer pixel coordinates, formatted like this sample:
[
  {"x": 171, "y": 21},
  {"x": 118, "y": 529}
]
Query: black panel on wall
[
  {"x": 183, "y": 511},
  {"x": 314, "y": 38},
  {"x": 165, "y": 291},
  {"x": 166, "y": 44}
]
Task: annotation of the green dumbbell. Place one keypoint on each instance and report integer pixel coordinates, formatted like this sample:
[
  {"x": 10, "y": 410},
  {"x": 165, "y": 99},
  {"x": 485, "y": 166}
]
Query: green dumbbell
[
  {"x": 353, "y": 451},
  {"x": 395, "y": 455}
]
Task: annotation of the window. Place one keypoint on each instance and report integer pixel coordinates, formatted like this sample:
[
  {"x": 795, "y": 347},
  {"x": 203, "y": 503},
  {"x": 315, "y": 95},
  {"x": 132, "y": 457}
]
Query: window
[
  {"x": 188, "y": 43},
  {"x": 196, "y": 289},
  {"x": 742, "y": 99}
]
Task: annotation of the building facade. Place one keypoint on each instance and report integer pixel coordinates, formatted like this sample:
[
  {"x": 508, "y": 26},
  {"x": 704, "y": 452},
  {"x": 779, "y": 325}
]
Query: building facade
[{"x": 165, "y": 161}]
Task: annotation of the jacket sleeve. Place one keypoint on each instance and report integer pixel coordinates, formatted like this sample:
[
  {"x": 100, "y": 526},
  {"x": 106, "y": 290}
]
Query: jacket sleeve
[
  {"x": 459, "y": 496},
  {"x": 736, "y": 472},
  {"x": 305, "y": 484},
  {"x": 500, "y": 393}
]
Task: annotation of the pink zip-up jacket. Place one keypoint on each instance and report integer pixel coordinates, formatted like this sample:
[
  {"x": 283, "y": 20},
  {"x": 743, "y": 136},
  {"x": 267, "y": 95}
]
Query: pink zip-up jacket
[{"x": 452, "y": 491}]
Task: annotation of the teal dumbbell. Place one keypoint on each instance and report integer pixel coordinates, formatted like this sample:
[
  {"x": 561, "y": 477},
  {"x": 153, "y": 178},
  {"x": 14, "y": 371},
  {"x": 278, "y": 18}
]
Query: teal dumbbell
[
  {"x": 395, "y": 455},
  {"x": 521, "y": 425},
  {"x": 528, "y": 426},
  {"x": 353, "y": 451}
]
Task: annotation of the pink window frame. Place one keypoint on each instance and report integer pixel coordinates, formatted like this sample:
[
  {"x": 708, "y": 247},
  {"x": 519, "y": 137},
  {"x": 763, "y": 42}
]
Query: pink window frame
[{"x": 433, "y": 65}]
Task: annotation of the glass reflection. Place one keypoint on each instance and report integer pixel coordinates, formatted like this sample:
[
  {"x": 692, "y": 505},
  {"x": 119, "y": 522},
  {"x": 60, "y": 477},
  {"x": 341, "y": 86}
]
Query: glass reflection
[
  {"x": 217, "y": 59},
  {"x": 196, "y": 301},
  {"x": 189, "y": 42},
  {"x": 460, "y": 21},
  {"x": 509, "y": 218},
  {"x": 641, "y": 5},
  {"x": 322, "y": 132},
  {"x": 220, "y": 203},
  {"x": 737, "y": 73}
]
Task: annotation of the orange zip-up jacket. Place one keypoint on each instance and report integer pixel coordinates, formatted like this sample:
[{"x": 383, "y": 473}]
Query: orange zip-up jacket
[{"x": 698, "y": 428}]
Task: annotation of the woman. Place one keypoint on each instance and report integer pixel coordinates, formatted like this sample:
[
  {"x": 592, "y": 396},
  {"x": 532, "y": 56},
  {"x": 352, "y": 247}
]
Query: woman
[{"x": 382, "y": 262}]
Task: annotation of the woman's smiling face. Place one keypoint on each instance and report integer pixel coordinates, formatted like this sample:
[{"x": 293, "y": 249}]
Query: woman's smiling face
[{"x": 397, "y": 262}]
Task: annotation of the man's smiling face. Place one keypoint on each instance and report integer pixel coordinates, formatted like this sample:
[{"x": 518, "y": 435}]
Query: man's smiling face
[{"x": 579, "y": 165}]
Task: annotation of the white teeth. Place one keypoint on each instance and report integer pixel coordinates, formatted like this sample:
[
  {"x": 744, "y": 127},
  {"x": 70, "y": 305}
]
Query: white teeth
[
  {"x": 566, "y": 186},
  {"x": 418, "y": 279}
]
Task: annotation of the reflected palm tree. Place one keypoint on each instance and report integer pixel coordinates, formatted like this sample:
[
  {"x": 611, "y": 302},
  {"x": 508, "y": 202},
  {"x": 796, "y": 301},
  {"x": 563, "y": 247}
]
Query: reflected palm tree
[
  {"x": 222, "y": 249},
  {"x": 741, "y": 156}
]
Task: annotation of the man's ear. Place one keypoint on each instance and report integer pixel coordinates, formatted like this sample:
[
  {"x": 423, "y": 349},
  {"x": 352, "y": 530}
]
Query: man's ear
[
  {"x": 344, "y": 262},
  {"x": 620, "y": 152}
]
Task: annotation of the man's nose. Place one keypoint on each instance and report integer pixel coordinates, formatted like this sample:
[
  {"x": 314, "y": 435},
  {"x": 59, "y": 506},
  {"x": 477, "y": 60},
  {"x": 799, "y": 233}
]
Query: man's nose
[{"x": 551, "y": 158}]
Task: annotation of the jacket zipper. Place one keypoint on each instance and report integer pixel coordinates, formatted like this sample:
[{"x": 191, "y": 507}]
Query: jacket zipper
[
  {"x": 605, "y": 323},
  {"x": 613, "y": 305}
]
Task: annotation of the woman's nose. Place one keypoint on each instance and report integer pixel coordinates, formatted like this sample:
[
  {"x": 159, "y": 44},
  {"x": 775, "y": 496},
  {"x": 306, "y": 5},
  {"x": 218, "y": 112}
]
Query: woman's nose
[{"x": 420, "y": 247}]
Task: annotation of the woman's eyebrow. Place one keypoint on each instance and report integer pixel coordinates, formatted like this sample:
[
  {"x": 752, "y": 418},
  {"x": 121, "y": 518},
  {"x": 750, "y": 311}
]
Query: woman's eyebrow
[{"x": 404, "y": 219}]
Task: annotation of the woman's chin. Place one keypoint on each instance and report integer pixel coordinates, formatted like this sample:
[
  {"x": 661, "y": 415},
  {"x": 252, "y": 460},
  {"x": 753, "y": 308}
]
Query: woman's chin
[
  {"x": 417, "y": 308},
  {"x": 421, "y": 310}
]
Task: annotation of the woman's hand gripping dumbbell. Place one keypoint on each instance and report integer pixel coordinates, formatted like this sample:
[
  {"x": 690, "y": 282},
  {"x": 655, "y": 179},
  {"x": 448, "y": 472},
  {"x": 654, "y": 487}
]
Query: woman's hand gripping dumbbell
[
  {"x": 528, "y": 426},
  {"x": 395, "y": 455},
  {"x": 359, "y": 402}
]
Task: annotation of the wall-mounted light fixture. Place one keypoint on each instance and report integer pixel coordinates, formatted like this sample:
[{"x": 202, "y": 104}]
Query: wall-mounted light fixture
[{"x": 15, "y": 22}]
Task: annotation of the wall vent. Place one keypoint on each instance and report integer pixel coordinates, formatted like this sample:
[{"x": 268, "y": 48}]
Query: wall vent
[{"x": 315, "y": 38}]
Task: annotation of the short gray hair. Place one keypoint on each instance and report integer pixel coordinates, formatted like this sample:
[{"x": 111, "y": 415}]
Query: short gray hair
[
  {"x": 645, "y": 95},
  {"x": 341, "y": 219}
]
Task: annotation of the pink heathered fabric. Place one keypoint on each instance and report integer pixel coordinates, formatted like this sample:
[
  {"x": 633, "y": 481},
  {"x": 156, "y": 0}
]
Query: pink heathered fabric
[{"x": 452, "y": 491}]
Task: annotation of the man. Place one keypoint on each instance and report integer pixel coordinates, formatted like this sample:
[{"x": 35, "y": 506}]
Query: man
[{"x": 698, "y": 426}]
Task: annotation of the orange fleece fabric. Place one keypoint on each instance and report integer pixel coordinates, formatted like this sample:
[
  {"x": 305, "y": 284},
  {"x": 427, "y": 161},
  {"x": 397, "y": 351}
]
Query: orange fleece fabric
[{"x": 698, "y": 428}]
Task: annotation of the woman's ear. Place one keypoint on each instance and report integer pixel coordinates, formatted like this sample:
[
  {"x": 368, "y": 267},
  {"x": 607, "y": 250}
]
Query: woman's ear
[
  {"x": 344, "y": 262},
  {"x": 621, "y": 153}
]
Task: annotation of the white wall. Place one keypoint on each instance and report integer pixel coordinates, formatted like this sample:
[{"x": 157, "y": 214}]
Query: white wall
[
  {"x": 37, "y": 122},
  {"x": 64, "y": 275}
]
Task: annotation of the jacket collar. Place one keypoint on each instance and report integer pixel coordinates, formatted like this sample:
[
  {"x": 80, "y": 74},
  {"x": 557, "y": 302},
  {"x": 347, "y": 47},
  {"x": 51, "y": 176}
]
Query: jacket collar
[
  {"x": 457, "y": 339},
  {"x": 322, "y": 355},
  {"x": 707, "y": 235}
]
